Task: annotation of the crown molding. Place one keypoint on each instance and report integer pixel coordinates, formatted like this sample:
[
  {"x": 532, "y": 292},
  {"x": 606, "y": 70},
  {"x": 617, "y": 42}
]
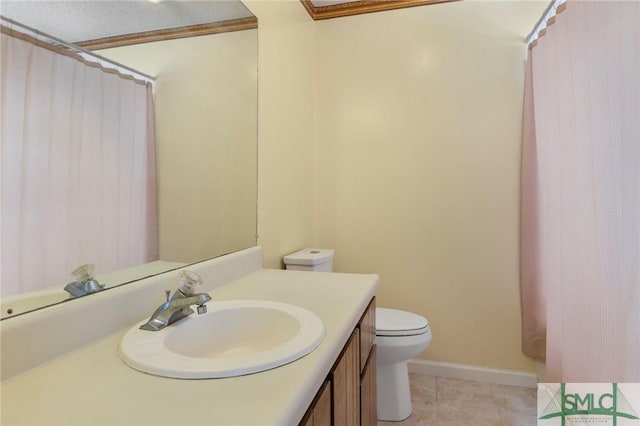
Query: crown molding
[
  {"x": 362, "y": 6},
  {"x": 171, "y": 33}
]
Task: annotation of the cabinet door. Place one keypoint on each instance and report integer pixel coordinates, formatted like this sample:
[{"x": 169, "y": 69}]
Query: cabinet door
[
  {"x": 368, "y": 397},
  {"x": 367, "y": 333},
  {"x": 319, "y": 414},
  {"x": 346, "y": 384}
]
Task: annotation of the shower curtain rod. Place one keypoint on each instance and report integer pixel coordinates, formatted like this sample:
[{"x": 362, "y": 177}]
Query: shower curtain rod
[
  {"x": 548, "y": 13},
  {"x": 77, "y": 48}
]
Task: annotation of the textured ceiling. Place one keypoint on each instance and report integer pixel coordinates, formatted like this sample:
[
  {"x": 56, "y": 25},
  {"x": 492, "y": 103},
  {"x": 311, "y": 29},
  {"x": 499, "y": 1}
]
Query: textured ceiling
[{"x": 80, "y": 20}]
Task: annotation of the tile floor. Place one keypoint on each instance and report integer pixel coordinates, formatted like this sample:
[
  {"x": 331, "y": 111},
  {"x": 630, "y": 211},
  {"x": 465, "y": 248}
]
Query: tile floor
[{"x": 440, "y": 401}]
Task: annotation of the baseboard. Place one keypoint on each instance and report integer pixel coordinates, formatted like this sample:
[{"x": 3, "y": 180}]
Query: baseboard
[{"x": 472, "y": 372}]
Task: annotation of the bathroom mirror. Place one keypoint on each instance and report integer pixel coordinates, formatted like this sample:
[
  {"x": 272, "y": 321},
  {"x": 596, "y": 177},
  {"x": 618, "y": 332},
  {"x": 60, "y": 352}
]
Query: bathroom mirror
[{"x": 205, "y": 99}]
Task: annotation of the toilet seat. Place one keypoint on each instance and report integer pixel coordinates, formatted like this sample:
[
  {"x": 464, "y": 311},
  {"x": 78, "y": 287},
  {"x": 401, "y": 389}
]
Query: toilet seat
[{"x": 393, "y": 322}]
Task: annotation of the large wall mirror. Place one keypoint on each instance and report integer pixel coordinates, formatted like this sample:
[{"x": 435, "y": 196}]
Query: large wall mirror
[{"x": 202, "y": 56}]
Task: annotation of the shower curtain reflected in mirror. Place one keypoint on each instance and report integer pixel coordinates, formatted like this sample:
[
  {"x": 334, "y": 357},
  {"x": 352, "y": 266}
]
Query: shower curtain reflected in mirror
[{"x": 78, "y": 166}]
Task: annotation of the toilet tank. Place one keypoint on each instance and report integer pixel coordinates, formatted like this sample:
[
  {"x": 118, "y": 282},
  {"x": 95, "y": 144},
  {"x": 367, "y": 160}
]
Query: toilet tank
[{"x": 310, "y": 259}]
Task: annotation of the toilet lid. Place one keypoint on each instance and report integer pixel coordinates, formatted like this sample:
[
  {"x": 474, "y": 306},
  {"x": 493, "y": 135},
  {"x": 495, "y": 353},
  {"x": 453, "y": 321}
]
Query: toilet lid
[{"x": 392, "y": 322}]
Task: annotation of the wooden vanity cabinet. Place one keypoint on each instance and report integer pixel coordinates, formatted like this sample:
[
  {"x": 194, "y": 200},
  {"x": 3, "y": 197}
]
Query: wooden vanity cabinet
[
  {"x": 349, "y": 393},
  {"x": 320, "y": 415},
  {"x": 345, "y": 384},
  {"x": 367, "y": 327},
  {"x": 368, "y": 395}
]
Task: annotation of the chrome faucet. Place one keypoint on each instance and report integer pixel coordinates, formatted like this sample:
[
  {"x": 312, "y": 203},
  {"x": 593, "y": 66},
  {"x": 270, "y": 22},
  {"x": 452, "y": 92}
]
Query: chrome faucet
[
  {"x": 178, "y": 306},
  {"x": 84, "y": 283}
]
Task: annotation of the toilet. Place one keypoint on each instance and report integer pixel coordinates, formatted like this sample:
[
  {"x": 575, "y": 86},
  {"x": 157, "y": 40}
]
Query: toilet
[
  {"x": 400, "y": 336},
  {"x": 310, "y": 259}
]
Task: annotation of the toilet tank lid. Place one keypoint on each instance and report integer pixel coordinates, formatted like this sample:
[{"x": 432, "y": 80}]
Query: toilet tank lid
[
  {"x": 395, "y": 320},
  {"x": 309, "y": 256}
]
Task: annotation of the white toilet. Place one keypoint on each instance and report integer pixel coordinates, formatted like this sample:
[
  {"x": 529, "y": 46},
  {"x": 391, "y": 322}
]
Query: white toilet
[{"x": 400, "y": 336}]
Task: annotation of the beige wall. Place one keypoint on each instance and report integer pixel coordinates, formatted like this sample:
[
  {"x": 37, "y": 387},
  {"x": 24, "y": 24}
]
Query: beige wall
[
  {"x": 285, "y": 148},
  {"x": 206, "y": 126},
  {"x": 410, "y": 147},
  {"x": 418, "y": 116}
]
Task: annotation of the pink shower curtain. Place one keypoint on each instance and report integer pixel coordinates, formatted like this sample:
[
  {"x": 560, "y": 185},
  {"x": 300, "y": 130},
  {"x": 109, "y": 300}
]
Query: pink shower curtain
[
  {"x": 532, "y": 298},
  {"x": 581, "y": 195},
  {"x": 78, "y": 167}
]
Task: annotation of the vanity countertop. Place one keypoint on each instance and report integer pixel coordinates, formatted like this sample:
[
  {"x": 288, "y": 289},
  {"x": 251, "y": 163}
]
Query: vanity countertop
[{"x": 92, "y": 386}]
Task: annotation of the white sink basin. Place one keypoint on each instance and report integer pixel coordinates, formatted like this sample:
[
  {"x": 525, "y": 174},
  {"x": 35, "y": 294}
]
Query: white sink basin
[{"x": 233, "y": 338}]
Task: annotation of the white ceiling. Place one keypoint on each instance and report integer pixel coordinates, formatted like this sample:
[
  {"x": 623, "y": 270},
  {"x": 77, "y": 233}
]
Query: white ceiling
[{"x": 81, "y": 20}]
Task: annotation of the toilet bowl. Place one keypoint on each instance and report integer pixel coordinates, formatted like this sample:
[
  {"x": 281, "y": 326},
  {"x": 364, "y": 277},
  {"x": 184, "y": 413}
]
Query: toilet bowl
[{"x": 400, "y": 336}]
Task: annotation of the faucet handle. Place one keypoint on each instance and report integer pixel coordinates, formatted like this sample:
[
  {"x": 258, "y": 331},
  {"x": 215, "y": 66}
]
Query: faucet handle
[
  {"x": 189, "y": 281},
  {"x": 83, "y": 273},
  {"x": 167, "y": 293}
]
